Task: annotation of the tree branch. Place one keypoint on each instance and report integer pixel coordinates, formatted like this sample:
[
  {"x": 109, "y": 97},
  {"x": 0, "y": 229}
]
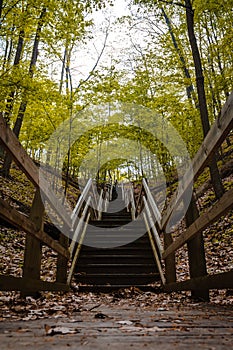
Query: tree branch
[{"x": 96, "y": 63}]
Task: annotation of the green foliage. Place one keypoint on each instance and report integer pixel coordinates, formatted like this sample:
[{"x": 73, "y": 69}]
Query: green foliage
[{"x": 156, "y": 74}]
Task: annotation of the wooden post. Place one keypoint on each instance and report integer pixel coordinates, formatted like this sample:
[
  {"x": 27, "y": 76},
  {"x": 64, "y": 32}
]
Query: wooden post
[
  {"x": 196, "y": 252},
  {"x": 33, "y": 247},
  {"x": 170, "y": 261}
]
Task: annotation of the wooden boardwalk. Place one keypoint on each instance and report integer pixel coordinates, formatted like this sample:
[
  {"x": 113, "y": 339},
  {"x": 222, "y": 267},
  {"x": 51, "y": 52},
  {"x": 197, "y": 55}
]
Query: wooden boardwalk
[{"x": 198, "y": 326}]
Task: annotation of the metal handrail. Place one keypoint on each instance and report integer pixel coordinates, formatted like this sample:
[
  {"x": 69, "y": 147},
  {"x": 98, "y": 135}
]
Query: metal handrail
[
  {"x": 94, "y": 195},
  {"x": 100, "y": 205},
  {"x": 122, "y": 191},
  {"x": 152, "y": 225},
  {"x": 80, "y": 201},
  {"x": 152, "y": 203},
  {"x": 77, "y": 252},
  {"x": 155, "y": 253},
  {"x": 79, "y": 226},
  {"x": 133, "y": 208}
]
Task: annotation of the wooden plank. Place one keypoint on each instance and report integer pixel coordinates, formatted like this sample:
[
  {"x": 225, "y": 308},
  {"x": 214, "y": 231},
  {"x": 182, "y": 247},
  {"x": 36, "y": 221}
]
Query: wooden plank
[
  {"x": 222, "y": 280},
  {"x": 10, "y": 283},
  {"x": 33, "y": 247},
  {"x": 212, "y": 141},
  {"x": 21, "y": 221},
  {"x": 224, "y": 204},
  {"x": 196, "y": 252},
  {"x": 14, "y": 147}
]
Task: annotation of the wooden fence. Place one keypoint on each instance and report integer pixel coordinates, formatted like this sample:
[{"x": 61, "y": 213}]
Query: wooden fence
[
  {"x": 199, "y": 283},
  {"x": 30, "y": 282}
]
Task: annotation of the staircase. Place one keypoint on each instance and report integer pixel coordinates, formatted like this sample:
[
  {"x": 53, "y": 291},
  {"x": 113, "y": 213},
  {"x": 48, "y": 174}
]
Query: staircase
[{"x": 116, "y": 252}]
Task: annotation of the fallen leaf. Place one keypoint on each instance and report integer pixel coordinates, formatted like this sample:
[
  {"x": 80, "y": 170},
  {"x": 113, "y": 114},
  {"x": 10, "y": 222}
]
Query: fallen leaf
[
  {"x": 126, "y": 322},
  {"x": 54, "y": 330},
  {"x": 100, "y": 315}
]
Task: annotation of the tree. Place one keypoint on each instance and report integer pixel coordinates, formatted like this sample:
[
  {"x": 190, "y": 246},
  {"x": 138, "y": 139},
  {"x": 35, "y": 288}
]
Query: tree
[
  {"x": 23, "y": 105},
  {"x": 214, "y": 172},
  {"x": 200, "y": 85}
]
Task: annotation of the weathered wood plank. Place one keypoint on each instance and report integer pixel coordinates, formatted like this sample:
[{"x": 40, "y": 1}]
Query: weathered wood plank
[
  {"x": 33, "y": 247},
  {"x": 10, "y": 283},
  {"x": 224, "y": 204},
  {"x": 14, "y": 147},
  {"x": 21, "y": 221},
  {"x": 196, "y": 251},
  {"x": 212, "y": 141},
  {"x": 218, "y": 281}
]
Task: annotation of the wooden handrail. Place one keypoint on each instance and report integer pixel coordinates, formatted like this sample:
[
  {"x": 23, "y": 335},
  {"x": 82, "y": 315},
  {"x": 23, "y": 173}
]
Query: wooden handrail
[
  {"x": 224, "y": 204},
  {"x": 26, "y": 164},
  {"x": 212, "y": 141},
  {"x": 23, "y": 222}
]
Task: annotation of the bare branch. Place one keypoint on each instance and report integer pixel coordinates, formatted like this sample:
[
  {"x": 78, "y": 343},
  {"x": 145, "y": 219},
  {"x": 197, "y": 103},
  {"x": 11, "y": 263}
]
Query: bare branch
[{"x": 97, "y": 61}]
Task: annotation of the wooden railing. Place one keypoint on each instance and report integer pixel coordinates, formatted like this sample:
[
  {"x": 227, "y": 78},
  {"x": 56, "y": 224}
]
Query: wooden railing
[
  {"x": 200, "y": 282},
  {"x": 74, "y": 224},
  {"x": 30, "y": 282}
]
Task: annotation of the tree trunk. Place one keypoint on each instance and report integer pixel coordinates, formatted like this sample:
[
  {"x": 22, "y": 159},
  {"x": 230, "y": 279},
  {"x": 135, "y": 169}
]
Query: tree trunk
[
  {"x": 214, "y": 173},
  {"x": 189, "y": 88},
  {"x": 23, "y": 105},
  {"x": 1, "y": 6},
  {"x": 18, "y": 54}
]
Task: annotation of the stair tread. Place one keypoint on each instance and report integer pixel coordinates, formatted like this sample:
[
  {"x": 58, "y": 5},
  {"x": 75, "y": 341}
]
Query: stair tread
[
  {"x": 128, "y": 264},
  {"x": 119, "y": 274},
  {"x": 107, "y": 265}
]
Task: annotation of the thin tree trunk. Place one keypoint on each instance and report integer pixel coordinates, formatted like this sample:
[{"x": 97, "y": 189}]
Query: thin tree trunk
[
  {"x": 23, "y": 105},
  {"x": 189, "y": 88},
  {"x": 1, "y": 7},
  {"x": 62, "y": 71},
  {"x": 214, "y": 172},
  {"x": 221, "y": 70},
  {"x": 18, "y": 54}
]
